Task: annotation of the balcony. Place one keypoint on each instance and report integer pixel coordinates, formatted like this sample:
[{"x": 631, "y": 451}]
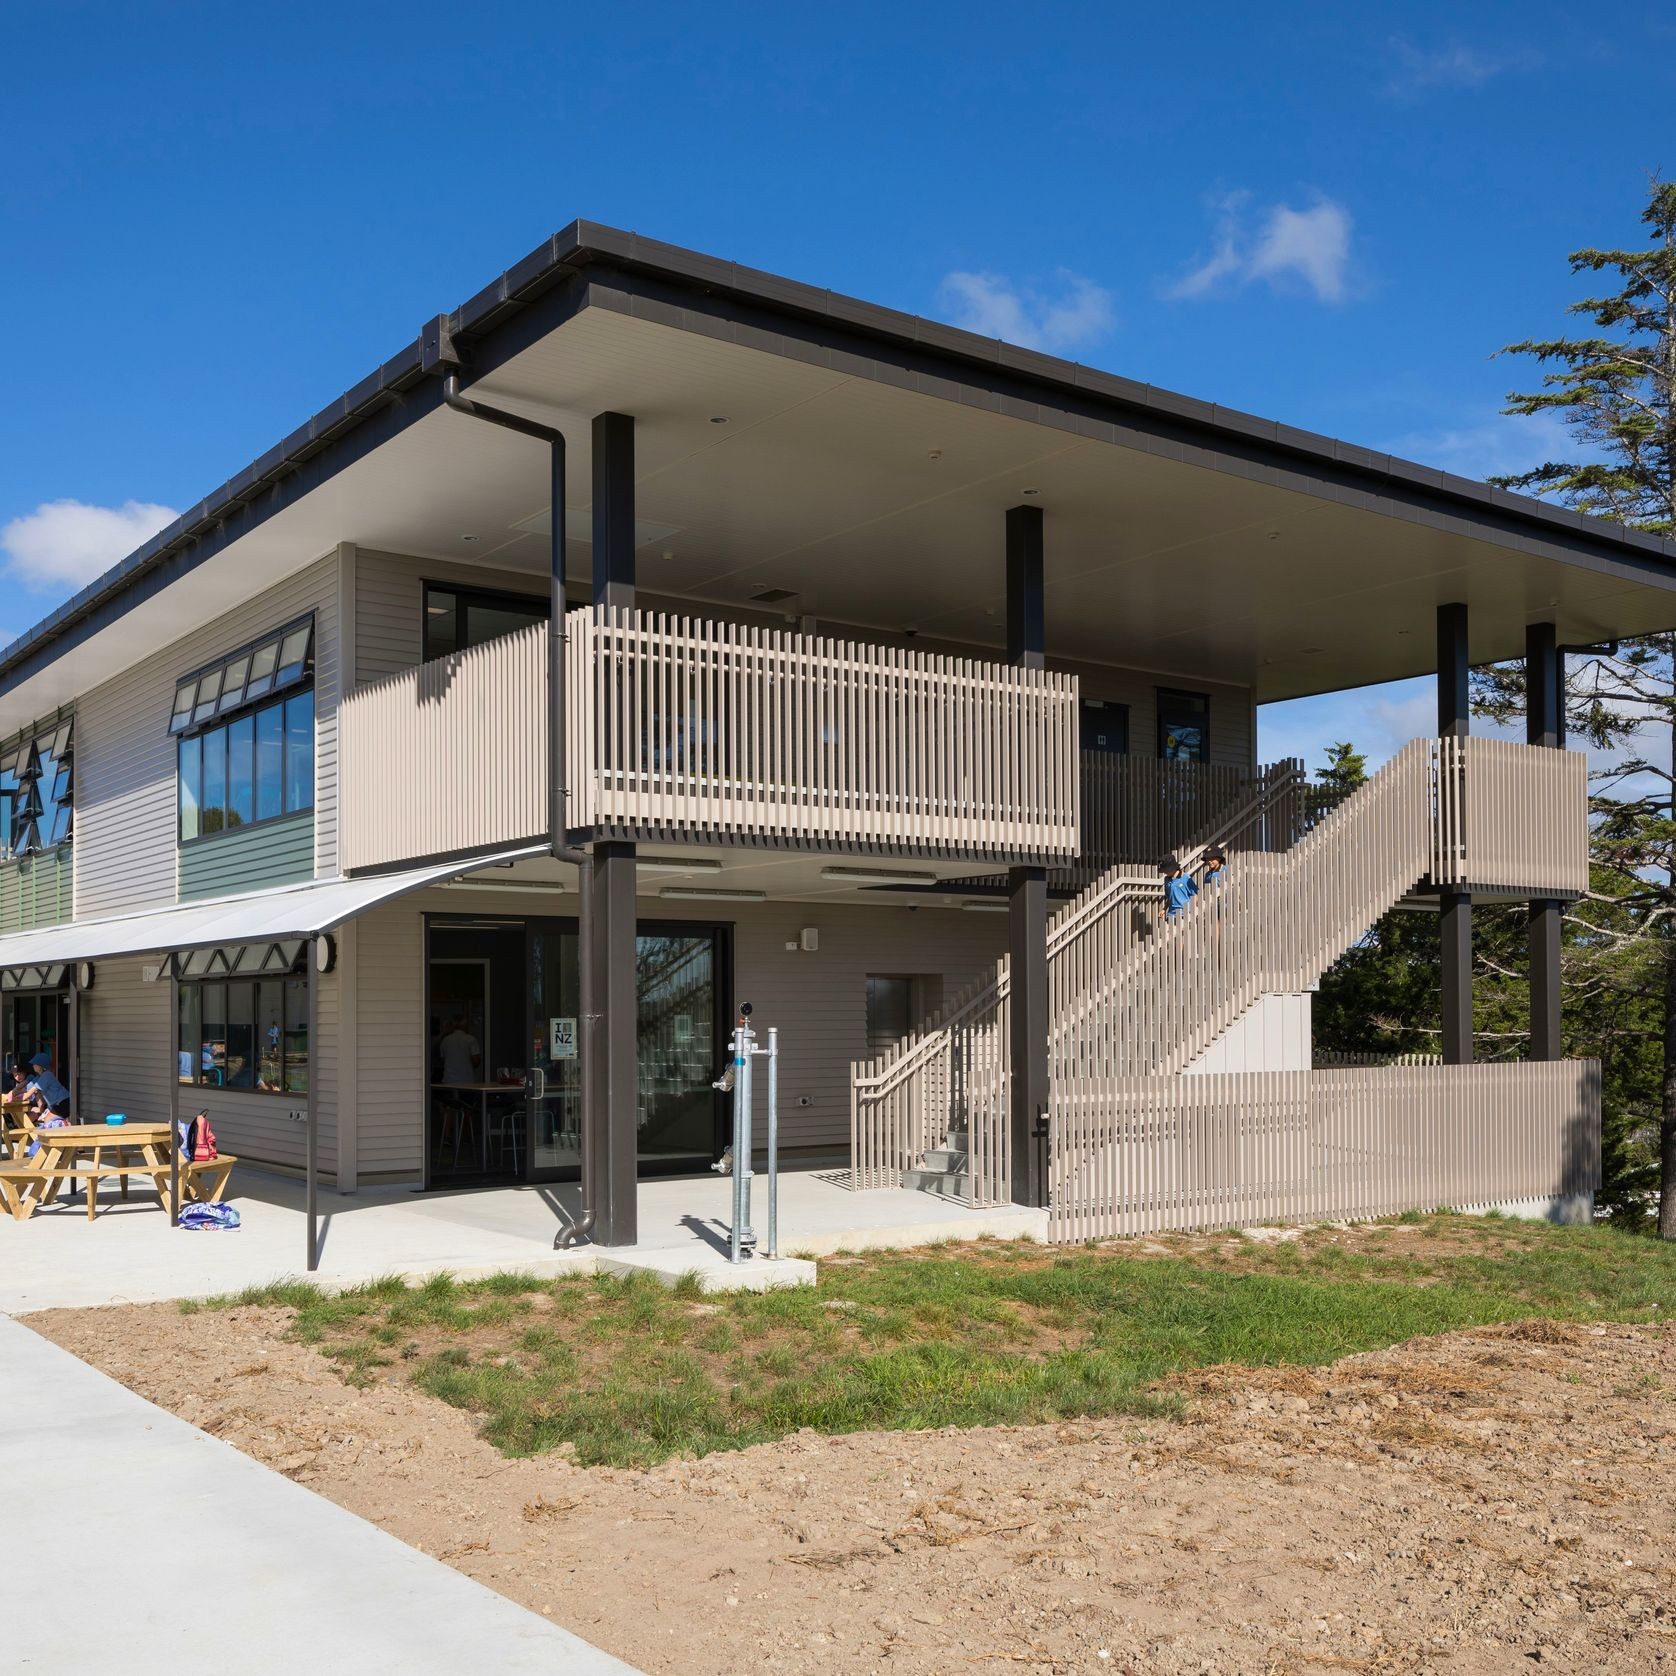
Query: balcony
[{"x": 700, "y": 730}]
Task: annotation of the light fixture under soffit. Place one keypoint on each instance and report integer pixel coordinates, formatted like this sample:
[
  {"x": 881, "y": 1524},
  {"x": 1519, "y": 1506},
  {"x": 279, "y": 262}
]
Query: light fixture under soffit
[
  {"x": 875, "y": 876},
  {"x": 710, "y": 893},
  {"x": 676, "y": 864},
  {"x": 537, "y": 887},
  {"x": 984, "y": 907}
]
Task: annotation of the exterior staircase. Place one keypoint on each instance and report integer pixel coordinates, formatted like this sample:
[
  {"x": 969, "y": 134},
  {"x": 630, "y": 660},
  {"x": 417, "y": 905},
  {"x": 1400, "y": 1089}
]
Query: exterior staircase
[
  {"x": 945, "y": 1171},
  {"x": 1130, "y": 995}
]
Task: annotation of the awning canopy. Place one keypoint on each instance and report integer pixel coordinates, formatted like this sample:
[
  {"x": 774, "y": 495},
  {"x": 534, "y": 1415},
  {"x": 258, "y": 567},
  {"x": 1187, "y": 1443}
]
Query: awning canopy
[{"x": 263, "y": 916}]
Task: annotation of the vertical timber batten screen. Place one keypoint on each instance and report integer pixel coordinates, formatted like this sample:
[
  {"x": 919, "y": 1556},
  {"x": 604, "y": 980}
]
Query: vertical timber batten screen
[
  {"x": 1140, "y": 1155},
  {"x": 1130, "y": 996},
  {"x": 688, "y": 724},
  {"x": 448, "y": 757}
]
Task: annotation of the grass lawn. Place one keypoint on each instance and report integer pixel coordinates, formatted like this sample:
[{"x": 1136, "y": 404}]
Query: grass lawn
[{"x": 959, "y": 1335}]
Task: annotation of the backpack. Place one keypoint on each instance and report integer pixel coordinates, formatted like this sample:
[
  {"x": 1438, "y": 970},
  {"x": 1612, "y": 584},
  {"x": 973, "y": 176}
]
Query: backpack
[
  {"x": 206, "y": 1218},
  {"x": 197, "y": 1139}
]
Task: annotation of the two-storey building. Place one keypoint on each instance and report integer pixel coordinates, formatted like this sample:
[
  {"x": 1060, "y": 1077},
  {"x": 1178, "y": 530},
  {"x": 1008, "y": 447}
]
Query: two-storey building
[{"x": 652, "y": 634}]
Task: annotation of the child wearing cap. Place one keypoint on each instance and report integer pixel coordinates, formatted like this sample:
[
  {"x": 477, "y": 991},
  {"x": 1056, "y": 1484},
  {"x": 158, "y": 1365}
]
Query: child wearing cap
[{"x": 1179, "y": 889}]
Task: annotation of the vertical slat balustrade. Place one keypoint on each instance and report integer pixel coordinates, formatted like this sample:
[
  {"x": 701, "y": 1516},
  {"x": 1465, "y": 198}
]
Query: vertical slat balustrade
[
  {"x": 1147, "y": 1000},
  {"x": 1149, "y": 1154},
  {"x": 810, "y": 740}
]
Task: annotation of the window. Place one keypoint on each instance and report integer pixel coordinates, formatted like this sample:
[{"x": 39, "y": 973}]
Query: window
[
  {"x": 280, "y": 660},
  {"x": 456, "y": 618},
  {"x": 1183, "y": 726},
  {"x": 244, "y": 1031},
  {"x": 1105, "y": 727},
  {"x": 37, "y": 783},
  {"x": 898, "y": 1003},
  {"x": 246, "y": 727}
]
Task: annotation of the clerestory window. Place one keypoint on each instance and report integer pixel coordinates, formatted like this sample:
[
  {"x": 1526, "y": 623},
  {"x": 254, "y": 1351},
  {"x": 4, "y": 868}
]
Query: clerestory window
[{"x": 37, "y": 789}]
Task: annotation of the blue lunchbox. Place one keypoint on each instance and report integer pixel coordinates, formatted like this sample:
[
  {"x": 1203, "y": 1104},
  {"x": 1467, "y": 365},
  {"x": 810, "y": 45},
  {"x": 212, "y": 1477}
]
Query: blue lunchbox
[{"x": 114, "y": 1118}]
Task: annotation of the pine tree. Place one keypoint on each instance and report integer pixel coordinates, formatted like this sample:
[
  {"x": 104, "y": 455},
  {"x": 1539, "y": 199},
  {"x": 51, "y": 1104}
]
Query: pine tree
[{"x": 1614, "y": 391}]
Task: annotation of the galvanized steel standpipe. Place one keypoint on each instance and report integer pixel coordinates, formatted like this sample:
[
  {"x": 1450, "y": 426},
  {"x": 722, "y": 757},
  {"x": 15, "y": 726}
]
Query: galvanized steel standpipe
[
  {"x": 742, "y": 1238},
  {"x": 773, "y": 1142}
]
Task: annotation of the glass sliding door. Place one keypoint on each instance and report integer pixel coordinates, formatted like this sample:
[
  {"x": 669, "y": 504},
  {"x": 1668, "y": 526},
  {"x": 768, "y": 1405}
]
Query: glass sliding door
[
  {"x": 677, "y": 974},
  {"x": 554, "y": 1090}
]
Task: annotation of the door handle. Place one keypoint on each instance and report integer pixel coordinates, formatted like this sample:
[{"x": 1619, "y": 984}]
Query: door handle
[{"x": 538, "y": 1084}]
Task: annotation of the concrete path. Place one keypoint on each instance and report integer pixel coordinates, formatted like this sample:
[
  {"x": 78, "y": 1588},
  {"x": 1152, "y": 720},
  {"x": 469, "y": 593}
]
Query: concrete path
[
  {"x": 142, "y": 1544},
  {"x": 129, "y": 1254}
]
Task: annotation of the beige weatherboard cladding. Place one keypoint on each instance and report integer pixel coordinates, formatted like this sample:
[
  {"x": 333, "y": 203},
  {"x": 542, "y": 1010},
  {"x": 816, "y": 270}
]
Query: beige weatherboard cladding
[
  {"x": 817, "y": 999},
  {"x": 125, "y": 850}
]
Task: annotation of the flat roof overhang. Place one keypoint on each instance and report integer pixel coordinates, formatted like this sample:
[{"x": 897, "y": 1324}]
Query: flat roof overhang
[{"x": 863, "y": 467}]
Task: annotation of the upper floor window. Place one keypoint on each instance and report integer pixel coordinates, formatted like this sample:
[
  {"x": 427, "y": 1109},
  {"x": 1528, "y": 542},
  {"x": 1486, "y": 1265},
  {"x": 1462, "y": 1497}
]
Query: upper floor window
[
  {"x": 36, "y": 789},
  {"x": 456, "y": 618},
  {"x": 1105, "y": 727},
  {"x": 245, "y": 678},
  {"x": 246, "y": 752},
  {"x": 1183, "y": 726}
]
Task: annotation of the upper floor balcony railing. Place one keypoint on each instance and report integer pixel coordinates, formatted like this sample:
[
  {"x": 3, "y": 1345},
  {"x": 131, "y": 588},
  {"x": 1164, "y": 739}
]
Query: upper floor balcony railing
[
  {"x": 700, "y": 729},
  {"x": 694, "y": 726}
]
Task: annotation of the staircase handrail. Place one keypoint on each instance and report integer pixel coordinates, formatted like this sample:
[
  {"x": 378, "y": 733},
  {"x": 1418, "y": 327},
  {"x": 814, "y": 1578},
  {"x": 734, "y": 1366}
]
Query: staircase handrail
[{"x": 1109, "y": 893}]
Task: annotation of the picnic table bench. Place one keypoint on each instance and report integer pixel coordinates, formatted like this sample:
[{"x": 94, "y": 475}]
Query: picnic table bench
[{"x": 28, "y": 1183}]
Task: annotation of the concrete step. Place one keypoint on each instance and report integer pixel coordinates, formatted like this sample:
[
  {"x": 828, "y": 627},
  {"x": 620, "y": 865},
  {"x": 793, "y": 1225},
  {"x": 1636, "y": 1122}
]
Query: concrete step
[
  {"x": 945, "y": 1161},
  {"x": 940, "y": 1184}
]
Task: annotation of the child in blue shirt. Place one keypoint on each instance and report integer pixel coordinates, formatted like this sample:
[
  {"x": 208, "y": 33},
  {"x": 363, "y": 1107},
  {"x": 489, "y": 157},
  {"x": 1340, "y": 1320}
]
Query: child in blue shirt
[{"x": 1179, "y": 889}]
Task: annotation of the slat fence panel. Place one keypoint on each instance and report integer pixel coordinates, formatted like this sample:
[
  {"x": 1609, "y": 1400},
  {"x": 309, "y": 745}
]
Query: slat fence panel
[{"x": 1152, "y": 1154}]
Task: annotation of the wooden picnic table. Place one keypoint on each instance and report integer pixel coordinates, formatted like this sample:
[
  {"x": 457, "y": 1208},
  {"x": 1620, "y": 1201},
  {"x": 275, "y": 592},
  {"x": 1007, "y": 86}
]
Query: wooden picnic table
[
  {"x": 35, "y": 1182},
  {"x": 62, "y": 1150}
]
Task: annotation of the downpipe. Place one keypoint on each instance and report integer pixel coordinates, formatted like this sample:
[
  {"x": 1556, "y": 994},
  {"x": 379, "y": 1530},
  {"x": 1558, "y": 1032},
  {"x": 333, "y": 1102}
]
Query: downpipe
[{"x": 558, "y": 801}]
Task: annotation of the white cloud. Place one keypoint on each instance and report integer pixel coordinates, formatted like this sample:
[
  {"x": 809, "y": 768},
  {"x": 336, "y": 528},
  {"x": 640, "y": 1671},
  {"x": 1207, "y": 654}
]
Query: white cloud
[
  {"x": 1500, "y": 445},
  {"x": 1282, "y": 247},
  {"x": 66, "y": 543},
  {"x": 1378, "y": 721},
  {"x": 995, "y": 307},
  {"x": 1416, "y": 71}
]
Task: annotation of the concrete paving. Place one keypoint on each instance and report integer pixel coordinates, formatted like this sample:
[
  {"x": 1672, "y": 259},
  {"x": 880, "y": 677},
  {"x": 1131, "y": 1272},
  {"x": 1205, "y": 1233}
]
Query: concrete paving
[
  {"x": 174, "y": 1553},
  {"x": 129, "y": 1254}
]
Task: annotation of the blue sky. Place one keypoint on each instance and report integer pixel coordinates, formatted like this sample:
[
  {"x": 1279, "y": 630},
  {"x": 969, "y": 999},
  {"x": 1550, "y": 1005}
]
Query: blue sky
[{"x": 217, "y": 218}]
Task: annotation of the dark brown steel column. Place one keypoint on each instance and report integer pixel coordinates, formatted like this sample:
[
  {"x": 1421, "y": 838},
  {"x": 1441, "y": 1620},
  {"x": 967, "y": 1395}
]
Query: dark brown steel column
[
  {"x": 174, "y": 1092},
  {"x": 615, "y": 1081},
  {"x": 1455, "y": 906},
  {"x": 1027, "y": 893},
  {"x": 1544, "y": 726},
  {"x": 311, "y": 1154},
  {"x": 614, "y": 1084},
  {"x": 613, "y": 555}
]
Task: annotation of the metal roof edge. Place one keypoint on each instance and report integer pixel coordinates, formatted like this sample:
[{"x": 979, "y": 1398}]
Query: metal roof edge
[{"x": 582, "y": 244}]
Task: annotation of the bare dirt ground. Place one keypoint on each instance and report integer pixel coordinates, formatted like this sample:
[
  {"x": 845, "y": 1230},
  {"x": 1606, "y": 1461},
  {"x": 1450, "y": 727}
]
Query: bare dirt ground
[{"x": 1495, "y": 1500}]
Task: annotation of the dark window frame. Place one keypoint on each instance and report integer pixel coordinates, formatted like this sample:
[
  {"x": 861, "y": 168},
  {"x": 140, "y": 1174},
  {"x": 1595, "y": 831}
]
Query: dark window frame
[
  {"x": 280, "y": 703},
  {"x": 1160, "y": 694},
  {"x": 40, "y": 780},
  {"x": 470, "y": 592},
  {"x": 291, "y": 982},
  {"x": 248, "y": 703},
  {"x": 1119, "y": 707}
]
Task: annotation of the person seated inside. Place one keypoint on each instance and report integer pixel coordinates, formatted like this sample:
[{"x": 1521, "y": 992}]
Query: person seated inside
[{"x": 52, "y": 1096}]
